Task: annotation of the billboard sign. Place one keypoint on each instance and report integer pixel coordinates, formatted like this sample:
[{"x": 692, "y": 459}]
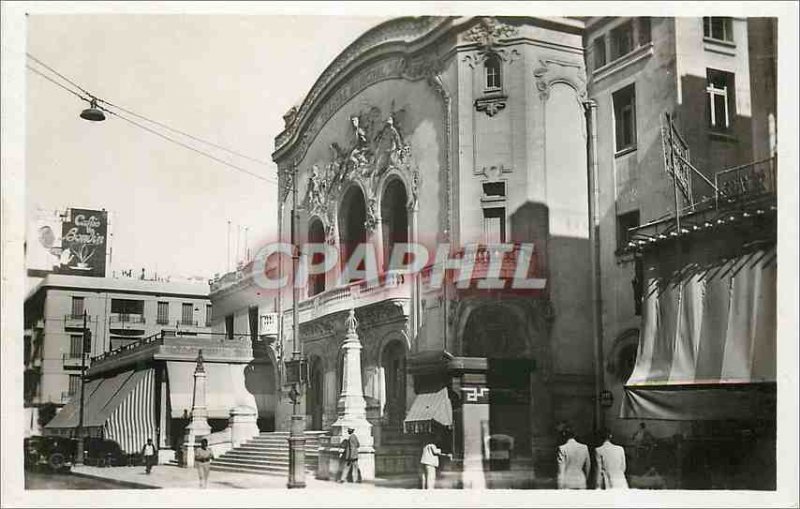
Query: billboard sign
[{"x": 83, "y": 243}]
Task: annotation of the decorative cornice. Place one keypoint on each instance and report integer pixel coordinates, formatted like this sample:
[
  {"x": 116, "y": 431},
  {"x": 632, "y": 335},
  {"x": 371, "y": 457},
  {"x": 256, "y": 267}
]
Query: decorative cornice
[
  {"x": 488, "y": 32},
  {"x": 401, "y": 30}
]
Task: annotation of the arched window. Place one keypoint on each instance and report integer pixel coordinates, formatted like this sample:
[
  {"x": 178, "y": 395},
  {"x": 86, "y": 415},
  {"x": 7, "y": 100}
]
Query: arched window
[
  {"x": 352, "y": 229},
  {"x": 394, "y": 215},
  {"x": 493, "y": 76},
  {"x": 316, "y": 235}
]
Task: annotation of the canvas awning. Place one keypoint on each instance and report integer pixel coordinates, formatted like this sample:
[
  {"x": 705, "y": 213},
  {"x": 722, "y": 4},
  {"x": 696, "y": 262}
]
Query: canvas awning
[
  {"x": 119, "y": 408},
  {"x": 428, "y": 408},
  {"x": 708, "y": 343},
  {"x": 227, "y": 386}
]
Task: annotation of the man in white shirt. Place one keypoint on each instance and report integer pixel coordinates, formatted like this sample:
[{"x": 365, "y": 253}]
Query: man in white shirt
[
  {"x": 430, "y": 462},
  {"x": 149, "y": 455},
  {"x": 573, "y": 463}
]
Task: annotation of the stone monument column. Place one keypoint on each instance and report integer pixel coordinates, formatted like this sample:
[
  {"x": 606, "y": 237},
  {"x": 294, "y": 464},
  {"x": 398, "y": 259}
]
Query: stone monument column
[
  {"x": 353, "y": 406},
  {"x": 198, "y": 427}
]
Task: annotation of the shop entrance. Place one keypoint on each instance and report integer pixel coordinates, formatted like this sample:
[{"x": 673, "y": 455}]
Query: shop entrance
[{"x": 497, "y": 334}]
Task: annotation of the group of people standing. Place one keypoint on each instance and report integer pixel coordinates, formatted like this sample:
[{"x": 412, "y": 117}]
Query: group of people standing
[{"x": 574, "y": 464}]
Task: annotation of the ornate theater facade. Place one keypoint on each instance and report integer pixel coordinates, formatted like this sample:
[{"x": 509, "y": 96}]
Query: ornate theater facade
[{"x": 451, "y": 132}]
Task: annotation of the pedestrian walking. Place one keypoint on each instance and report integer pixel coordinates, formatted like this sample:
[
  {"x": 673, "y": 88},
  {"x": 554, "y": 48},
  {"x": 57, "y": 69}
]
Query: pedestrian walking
[
  {"x": 573, "y": 462},
  {"x": 349, "y": 457},
  {"x": 149, "y": 455},
  {"x": 202, "y": 460},
  {"x": 430, "y": 462},
  {"x": 610, "y": 465}
]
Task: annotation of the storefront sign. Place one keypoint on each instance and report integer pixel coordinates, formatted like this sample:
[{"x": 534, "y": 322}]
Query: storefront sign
[{"x": 83, "y": 243}]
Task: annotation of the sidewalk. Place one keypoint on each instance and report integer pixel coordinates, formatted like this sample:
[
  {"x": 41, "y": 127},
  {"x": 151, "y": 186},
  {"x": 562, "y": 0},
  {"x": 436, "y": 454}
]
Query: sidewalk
[{"x": 174, "y": 477}]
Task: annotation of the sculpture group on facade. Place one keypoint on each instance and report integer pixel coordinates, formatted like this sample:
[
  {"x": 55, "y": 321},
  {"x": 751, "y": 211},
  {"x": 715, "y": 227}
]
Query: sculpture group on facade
[{"x": 375, "y": 146}]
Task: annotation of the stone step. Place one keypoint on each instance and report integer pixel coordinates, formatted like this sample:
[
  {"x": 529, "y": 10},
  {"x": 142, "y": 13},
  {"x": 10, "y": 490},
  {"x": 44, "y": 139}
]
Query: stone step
[
  {"x": 274, "y": 450},
  {"x": 253, "y": 462},
  {"x": 256, "y": 469}
]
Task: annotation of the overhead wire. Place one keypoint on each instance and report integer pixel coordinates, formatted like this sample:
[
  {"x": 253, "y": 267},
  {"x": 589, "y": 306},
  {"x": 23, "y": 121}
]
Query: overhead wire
[
  {"x": 59, "y": 74},
  {"x": 183, "y": 133},
  {"x": 110, "y": 105},
  {"x": 184, "y": 145},
  {"x": 51, "y": 80}
]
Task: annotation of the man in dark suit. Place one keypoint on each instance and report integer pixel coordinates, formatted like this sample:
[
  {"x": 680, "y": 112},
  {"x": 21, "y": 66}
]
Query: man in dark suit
[{"x": 349, "y": 455}]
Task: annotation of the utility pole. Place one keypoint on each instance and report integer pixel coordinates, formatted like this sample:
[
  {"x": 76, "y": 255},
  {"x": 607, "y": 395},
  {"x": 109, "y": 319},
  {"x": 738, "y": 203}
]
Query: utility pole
[{"x": 86, "y": 339}]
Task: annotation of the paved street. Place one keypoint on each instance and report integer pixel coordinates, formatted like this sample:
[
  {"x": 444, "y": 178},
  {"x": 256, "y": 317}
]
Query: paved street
[
  {"x": 54, "y": 481},
  {"x": 170, "y": 477}
]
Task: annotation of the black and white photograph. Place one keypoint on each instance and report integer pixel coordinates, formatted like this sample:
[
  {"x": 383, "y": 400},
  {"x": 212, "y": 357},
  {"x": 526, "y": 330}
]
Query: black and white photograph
[{"x": 368, "y": 254}]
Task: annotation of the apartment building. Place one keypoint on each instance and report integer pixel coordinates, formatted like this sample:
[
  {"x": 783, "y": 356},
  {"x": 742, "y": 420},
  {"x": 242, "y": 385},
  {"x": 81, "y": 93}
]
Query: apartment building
[{"x": 116, "y": 311}]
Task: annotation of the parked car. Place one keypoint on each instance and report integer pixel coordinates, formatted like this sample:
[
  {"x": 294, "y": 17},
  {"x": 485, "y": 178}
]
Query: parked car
[{"x": 54, "y": 453}]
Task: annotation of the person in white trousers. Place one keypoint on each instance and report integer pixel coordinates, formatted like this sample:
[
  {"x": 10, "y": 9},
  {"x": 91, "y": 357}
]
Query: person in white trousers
[{"x": 429, "y": 463}]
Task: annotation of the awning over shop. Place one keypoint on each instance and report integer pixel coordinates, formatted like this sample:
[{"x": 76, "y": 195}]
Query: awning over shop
[
  {"x": 227, "y": 386},
  {"x": 708, "y": 343},
  {"x": 120, "y": 408},
  {"x": 427, "y": 409}
]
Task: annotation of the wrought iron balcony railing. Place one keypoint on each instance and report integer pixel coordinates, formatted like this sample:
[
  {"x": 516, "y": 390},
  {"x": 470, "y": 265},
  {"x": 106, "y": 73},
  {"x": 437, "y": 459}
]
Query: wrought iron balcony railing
[{"x": 127, "y": 318}]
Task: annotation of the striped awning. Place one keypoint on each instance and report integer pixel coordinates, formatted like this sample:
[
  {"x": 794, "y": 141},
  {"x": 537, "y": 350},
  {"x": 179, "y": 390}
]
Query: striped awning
[
  {"x": 119, "y": 408},
  {"x": 708, "y": 342},
  {"x": 133, "y": 420},
  {"x": 427, "y": 409}
]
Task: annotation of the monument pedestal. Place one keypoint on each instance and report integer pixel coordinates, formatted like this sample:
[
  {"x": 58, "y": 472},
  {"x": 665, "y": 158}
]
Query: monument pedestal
[{"x": 352, "y": 412}]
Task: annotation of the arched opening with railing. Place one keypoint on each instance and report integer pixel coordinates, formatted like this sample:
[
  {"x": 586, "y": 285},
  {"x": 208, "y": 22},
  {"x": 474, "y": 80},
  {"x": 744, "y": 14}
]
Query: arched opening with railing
[
  {"x": 316, "y": 235},
  {"x": 394, "y": 215},
  {"x": 352, "y": 224}
]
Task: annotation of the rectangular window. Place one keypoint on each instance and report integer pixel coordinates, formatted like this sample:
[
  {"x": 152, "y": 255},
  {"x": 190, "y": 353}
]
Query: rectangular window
[
  {"x": 720, "y": 104},
  {"x": 624, "y": 223},
  {"x": 229, "y": 326},
  {"x": 718, "y": 28},
  {"x": 208, "y": 315},
  {"x": 494, "y": 225},
  {"x": 599, "y": 46},
  {"x": 645, "y": 27},
  {"x": 77, "y": 306},
  {"x": 74, "y": 384},
  {"x": 187, "y": 314},
  {"x": 127, "y": 306},
  {"x": 252, "y": 315},
  {"x": 622, "y": 40},
  {"x": 75, "y": 344},
  {"x": 625, "y": 117},
  {"x": 492, "y": 67},
  {"x": 162, "y": 317}
]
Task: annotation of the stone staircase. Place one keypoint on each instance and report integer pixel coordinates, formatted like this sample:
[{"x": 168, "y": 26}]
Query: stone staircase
[{"x": 268, "y": 454}]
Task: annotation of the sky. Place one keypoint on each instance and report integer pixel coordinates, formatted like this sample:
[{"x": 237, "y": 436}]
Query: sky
[{"x": 227, "y": 79}]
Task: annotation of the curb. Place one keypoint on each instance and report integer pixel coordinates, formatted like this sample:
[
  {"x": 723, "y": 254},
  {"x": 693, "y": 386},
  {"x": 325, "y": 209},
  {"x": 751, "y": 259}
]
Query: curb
[{"x": 128, "y": 484}]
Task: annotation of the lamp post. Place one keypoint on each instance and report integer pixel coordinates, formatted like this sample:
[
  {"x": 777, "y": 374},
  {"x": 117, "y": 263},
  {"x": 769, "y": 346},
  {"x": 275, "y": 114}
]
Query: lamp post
[
  {"x": 296, "y": 369},
  {"x": 86, "y": 339}
]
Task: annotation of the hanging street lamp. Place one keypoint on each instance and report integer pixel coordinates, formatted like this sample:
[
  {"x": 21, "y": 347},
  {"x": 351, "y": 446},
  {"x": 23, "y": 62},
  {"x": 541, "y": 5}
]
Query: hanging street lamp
[{"x": 93, "y": 113}]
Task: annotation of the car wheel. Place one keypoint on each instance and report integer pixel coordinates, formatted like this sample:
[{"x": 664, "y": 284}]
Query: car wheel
[{"x": 57, "y": 460}]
